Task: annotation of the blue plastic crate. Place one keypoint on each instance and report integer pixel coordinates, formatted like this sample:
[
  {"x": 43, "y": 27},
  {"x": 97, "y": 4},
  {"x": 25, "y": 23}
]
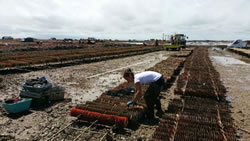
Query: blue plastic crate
[
  {"x": 37, "y": 87},
  {"x": 17, "y": 107}
]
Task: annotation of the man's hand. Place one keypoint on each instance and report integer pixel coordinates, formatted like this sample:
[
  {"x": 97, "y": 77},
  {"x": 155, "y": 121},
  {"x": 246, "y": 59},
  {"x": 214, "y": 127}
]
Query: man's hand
[{"x": 130, "y": 103}]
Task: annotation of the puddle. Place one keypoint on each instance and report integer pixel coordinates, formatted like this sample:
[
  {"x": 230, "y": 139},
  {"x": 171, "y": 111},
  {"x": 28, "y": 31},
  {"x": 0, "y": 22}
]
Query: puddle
[
  {"x": 227, "y": 60},
  {"x": 216, "y": 49}
]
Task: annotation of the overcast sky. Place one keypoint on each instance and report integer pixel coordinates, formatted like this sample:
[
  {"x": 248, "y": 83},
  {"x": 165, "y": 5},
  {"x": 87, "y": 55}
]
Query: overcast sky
[{"x": 126, "y": 19}]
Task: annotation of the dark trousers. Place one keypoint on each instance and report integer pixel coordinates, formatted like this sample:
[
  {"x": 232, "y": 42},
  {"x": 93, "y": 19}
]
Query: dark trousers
[{"x": 152, "y": 99}]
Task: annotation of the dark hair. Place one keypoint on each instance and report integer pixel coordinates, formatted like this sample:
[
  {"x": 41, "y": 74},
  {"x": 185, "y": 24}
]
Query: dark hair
[{"x": 128, "y": 72}]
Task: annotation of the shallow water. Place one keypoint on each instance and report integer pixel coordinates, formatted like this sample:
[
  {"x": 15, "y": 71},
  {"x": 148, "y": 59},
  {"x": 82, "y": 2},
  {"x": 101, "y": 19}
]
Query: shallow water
[{"x": 228, "y": 60}]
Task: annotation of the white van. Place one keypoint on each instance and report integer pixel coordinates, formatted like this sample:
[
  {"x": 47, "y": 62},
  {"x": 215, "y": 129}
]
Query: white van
[{"x": 239, "y": 44}]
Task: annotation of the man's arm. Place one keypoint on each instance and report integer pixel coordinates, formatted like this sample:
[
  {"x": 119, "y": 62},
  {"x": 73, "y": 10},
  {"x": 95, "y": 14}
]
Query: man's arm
[{"x": 138, "y": 92}]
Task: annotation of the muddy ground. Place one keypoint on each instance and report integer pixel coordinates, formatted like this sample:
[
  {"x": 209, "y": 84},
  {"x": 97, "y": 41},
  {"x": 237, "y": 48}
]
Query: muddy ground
[
  {"x": 86, "y": 82},
  {"x": 235, "y": 74},
  {"x": 82, "y": 83}
]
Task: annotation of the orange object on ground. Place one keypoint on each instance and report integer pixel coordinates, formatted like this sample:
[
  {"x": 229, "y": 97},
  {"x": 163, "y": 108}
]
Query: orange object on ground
[{"x": 102, "y": 118}]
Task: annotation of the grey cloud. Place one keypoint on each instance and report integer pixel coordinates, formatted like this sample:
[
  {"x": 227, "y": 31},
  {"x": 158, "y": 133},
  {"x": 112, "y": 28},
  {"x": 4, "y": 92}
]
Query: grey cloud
[{"x": 142, "y": 19}]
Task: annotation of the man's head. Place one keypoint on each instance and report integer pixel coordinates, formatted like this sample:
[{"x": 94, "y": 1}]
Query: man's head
[{"x": 128, "y": 75}]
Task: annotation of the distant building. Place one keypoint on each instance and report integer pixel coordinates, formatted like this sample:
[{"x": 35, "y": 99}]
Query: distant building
[
  {"x": 28, "y": 39},
  {"x": 81, "y": 41},
  {"x": 68, "y": 40},
  {"x": 7, "y": 38},
  {"x": 91, "y": 40}
]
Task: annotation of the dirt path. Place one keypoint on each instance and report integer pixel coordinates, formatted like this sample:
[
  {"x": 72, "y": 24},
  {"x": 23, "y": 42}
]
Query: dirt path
[
  {"x": 235, "y": 74},
  {"x": 82, "y": 83}
]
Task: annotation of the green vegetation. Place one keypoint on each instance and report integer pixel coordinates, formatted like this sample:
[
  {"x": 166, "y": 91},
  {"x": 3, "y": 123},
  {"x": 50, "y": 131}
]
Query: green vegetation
[
  {"x": 172, "y": 46},
  {"x": 222, "y": 46}
]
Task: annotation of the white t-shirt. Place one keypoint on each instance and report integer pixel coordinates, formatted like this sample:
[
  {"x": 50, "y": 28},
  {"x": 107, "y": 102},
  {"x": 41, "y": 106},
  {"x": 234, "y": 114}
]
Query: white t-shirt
[{"x": 147, "y": 77}]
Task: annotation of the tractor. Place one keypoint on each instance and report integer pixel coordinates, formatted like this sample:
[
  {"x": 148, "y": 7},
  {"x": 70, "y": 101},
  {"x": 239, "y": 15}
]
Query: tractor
[{"x": 177, "y": 41}]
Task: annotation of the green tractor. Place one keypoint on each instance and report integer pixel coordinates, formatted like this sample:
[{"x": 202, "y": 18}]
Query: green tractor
[{"x": 177, "y": 41}]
